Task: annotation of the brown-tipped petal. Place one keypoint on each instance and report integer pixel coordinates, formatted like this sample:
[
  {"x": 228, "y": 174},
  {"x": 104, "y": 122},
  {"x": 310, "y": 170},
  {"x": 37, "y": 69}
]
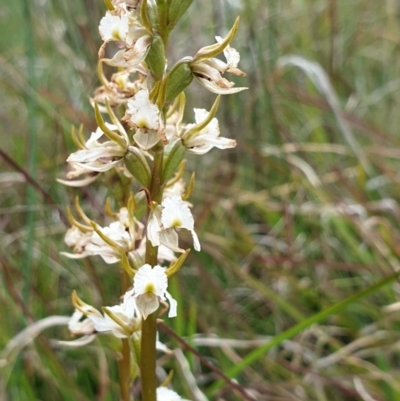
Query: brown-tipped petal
[{"x": 215, "y": 88}]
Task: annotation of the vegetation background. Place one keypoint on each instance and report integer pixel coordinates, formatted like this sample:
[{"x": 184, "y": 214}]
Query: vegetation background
[{"x": 299, "y": 224}]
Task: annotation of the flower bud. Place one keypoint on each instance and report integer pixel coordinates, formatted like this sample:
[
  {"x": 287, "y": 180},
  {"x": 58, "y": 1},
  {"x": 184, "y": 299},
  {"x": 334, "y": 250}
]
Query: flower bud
[
  {"x": 149, "y": 15},
  {"x": 137, "y": 165},
  {"x": 156, "y": 57},
  {"x": 179, "y": 78},
  {"x": 173, "y": 155}
]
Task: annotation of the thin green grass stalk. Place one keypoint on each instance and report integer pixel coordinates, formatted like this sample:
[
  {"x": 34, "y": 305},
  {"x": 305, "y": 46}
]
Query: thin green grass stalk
[
  {"x": 32, "y": 163},
  {"x": 191, "y": 329},
  {"x": 260, "y": 352},
  {"x": 32, "y": 147},
  {"x": 179, "y": 321},
  {"x": 287, "y": 307},
  {"x": 269, "y": 294},
  {"x": 390, "y": 392}
]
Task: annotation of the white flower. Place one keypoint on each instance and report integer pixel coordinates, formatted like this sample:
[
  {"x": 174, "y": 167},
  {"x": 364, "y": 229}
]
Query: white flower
[
  {"x": 124, "y": 321},
  {"x": 149, "y": 287},
  {"x": 114, "y": 27},
  {"x": 133, "y": 55},
  {"x": 119, "y": 88},
  {"x": 121, "y": 320},
  {"x": 78, "y": 326},
  {"x": 75, "y": 171},
  {"x": 95, "y": 157},
  {"x": 203, "y": 141},
  {"x": 134, "y": 39},
  {"x": 172, "y": 214},
  {"x": 165, "y": 394},
  {"x": 143, "y": 113},
  {"x": 121, "y": 236},
  {"x": 115, "y": 232},
  {"x": 144, "y": 117},
  {"x": 208, "y": 70},
  {"x": 77, "y": 239},
  {"x": 99, "y": 156}
]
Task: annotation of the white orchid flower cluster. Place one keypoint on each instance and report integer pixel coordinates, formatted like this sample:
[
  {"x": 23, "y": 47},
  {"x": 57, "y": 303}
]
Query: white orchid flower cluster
[
  {"x": 139, "y": 145},
  {"x": 123, "y": 241},
  {"x": 145, "y": 103}
]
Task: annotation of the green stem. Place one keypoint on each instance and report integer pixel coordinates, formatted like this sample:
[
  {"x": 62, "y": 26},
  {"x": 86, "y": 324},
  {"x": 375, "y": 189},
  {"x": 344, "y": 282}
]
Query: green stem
[
  {"x": 156, "y": 174},
  {"x": 124, "y": 364},
  {"x": 124, "y": 370},
  {"x": 148, "y": 358},
  {"x": 149, "y": 325}
]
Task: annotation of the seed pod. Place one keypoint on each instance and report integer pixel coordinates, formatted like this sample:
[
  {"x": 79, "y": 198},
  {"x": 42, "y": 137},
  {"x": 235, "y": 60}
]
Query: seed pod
[
  {"x": 149, "y": 15},
  {"x": 176, "y": 9},
  {"x": 137, "y": 165},
  {"x": 173, "y": 155},
  {"x": 156, "y": 58},
  {"x": 179, "y": 79}
]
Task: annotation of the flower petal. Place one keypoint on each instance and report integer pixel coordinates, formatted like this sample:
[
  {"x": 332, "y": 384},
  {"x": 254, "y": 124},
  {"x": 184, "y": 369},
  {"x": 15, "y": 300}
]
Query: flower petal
[
  {"x": 215, "y": 88},
  {"x": 173, "y": 305},
  {"x": 114, "y": 27},
  {"x": 146, "y": 140},
  {"x": 153, "y": 226},
  {"x": 141, "y": 113},
  {"x": 165, "y": 394},
  {"x": 147, "y": 304},
  {"x": 170, "y": 239},
  {"x": 176, "y": 213}
]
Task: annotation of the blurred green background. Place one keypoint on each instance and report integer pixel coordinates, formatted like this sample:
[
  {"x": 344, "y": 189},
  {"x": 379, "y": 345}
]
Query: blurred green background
[{"x": 302, "y": 215}]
